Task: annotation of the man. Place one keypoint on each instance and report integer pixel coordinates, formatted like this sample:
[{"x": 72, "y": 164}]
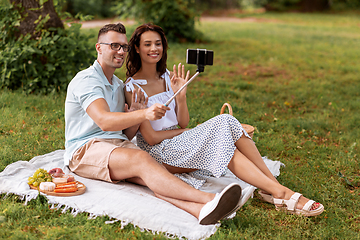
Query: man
[{"x": 98, "y": 125}]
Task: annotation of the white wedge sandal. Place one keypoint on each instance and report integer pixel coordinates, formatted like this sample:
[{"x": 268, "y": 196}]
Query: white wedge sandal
[{"x": 290, "y": 206}]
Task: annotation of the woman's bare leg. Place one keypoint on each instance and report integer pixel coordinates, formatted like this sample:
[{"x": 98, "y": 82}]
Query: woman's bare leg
[
  {"x": 174, "y": 170},
  {"x": 247, "y": 147},
  {"x": 246, "y": 170}
]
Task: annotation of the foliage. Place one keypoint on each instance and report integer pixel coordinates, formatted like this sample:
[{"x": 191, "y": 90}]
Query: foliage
[
  {"x": 176, "y": 17},
  {"x": 97, "y": 8},
  {"x": 304, "y": 5},
  {"x": 341, "y": 5},
  {"x": 277, "y": 5},
  {"x": 252, "y": 4},
  {"x": 217, "y": 4},
  {"x": 283, "y": 5},
  {"x": 45, "y": 64},
  {"x": 4, "y": 2}
]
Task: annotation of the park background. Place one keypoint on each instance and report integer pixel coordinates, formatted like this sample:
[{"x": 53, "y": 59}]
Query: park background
[{"x": 288, "y": 68}]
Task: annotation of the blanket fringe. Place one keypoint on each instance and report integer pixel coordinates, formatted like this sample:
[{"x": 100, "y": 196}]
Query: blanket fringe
[
  {"x": 175, "y": 236},
  {"x": 28, "y": 198},
  {"x": 53, "y": 205},
  {"x": 23, "y": 197},
  {"x": 75, "y": 211},
  {"x": 92, "y": 216},
  {"x": 122, "y": 222},
  {"x": 56, "y": 206},
  {"x": 112, "y": 221}
]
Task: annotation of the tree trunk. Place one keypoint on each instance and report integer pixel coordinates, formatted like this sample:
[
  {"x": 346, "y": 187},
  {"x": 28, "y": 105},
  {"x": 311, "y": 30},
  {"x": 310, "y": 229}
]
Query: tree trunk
[
  {"x": 314, "y": 5},
  {"x": 32, "y": 11}
]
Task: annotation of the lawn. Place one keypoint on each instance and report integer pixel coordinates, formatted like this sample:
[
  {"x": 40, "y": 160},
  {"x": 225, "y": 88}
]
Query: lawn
[{"x": 294, "y": 77}]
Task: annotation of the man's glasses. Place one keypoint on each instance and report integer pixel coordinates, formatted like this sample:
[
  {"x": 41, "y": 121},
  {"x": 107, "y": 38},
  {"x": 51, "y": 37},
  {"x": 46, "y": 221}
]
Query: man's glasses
[{"x": 118, "y": 46}]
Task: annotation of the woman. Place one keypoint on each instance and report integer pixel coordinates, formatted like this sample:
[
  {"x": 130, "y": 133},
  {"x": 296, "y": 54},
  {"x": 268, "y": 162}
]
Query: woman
[{"x": 208, "y": 149}]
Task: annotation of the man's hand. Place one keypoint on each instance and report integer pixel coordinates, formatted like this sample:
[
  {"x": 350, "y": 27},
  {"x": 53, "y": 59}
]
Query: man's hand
[
  {"x": 155, "y": 112},
  {"x": 138, "y": 101}
]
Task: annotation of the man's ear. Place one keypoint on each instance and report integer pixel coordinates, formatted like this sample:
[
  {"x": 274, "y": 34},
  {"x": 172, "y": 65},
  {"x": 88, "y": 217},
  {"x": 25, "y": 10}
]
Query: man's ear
[{"x": 98, "y": 48}]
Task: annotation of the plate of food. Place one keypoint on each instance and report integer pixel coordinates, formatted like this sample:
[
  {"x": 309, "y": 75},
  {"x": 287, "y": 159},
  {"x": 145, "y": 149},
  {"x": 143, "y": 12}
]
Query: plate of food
[{"x": 56, "y": 183}]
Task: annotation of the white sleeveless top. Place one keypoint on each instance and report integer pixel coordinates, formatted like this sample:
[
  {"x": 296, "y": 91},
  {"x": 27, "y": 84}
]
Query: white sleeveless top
[{"x": 170, "y": 118}]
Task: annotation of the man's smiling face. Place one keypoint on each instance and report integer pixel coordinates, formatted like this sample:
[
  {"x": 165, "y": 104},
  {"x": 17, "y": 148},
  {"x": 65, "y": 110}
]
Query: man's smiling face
[{"x": 107, "y": 57}]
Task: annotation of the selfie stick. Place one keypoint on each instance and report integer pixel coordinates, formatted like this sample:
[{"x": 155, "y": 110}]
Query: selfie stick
[
  {"x": 172, "y": 98},
  {"x": 202, "y": 57}
]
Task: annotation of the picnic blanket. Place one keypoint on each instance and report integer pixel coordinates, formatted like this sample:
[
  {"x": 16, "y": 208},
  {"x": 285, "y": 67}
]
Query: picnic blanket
[{"x": 125, "y": 202}]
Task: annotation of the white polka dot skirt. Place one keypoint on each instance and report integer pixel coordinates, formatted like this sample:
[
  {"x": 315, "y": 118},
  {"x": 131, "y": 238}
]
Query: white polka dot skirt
[{"x": 209, "y": 148}]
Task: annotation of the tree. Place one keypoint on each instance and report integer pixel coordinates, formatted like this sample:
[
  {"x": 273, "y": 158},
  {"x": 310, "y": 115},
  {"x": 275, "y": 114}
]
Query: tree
[
  {"x": 39, "y": 55},
  {"x": 36, "y": 15},
  {"x": 176, "y": 17},
  {"x": 298, "y": 5},
  {"x": 314, "y": 6}
]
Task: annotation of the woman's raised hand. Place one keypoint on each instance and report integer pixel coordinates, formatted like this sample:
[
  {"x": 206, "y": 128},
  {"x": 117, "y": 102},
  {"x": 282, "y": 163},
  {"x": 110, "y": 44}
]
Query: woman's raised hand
[
  {"x": 179, "y": 79},
  {"x": 138, "y": 101}
]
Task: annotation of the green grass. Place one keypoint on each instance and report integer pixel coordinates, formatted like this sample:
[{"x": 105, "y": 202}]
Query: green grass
[{"x": 295, "y": 77}]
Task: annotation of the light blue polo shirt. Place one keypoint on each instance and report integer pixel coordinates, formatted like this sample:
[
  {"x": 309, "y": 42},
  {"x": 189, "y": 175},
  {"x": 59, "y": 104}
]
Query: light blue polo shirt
[{"x": 87, "y": 86}]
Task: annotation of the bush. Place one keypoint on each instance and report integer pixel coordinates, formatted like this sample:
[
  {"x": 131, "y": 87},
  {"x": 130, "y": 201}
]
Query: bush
[
  {"x": 217, "y": 4},
  {"x": 312, "y": 5},
  {"x": 176, "y": 17},
  {"x": 44, "y": 64},
  {"x": 97, "y": 8},
  {"x": 341, "y": 5},
  {"x": 283, "y": 5}
]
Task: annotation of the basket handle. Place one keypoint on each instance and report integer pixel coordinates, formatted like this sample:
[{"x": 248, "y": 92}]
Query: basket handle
[{"x": 228, "y": 106}]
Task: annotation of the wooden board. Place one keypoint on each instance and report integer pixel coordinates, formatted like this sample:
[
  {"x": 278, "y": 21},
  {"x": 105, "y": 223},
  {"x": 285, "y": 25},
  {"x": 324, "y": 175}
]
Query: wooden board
[{"x": 81, "y": 190}]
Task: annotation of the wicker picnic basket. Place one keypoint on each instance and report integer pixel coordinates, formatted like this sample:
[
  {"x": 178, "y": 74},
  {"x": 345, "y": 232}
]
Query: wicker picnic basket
[{"x": 248, "y": 128}]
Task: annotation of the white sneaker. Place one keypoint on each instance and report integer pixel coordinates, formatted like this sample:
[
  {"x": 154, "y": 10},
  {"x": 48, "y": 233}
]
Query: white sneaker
[
  {"x": 245, "y": 195},
  {"x": 221, "y": 206}
]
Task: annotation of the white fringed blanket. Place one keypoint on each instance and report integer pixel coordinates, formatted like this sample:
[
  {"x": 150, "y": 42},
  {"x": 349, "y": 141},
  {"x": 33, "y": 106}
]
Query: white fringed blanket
[{"x": 123, "y": 202}]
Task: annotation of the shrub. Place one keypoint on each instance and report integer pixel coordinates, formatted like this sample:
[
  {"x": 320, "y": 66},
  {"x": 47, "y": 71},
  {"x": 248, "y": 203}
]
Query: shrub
[
  {"x": 345, "y": 5},
  {"x": 312, "y": 5},
  {"x": 97, "y": 8},
  {"x": 176, "y": 17},
  {"x": 44, "y": 64},
  {"x": 283, "y": 5}
]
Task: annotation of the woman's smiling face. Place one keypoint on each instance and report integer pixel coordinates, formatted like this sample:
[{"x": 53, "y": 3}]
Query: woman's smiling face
[{"x": 150, "y": 48}]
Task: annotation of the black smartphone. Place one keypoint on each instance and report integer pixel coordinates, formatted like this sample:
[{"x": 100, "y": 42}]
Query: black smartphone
[{"x": 200, "y": 57}]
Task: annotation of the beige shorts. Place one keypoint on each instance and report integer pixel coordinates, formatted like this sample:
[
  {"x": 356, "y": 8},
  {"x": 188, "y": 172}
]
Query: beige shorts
[{"x": 92, "y": 159}]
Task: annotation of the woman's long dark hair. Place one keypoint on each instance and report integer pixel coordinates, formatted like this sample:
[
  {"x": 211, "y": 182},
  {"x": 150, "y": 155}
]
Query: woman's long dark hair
[{"x": 133, "y": 61}]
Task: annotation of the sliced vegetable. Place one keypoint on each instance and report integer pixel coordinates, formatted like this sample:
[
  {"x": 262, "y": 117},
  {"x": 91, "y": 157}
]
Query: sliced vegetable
[
  {"x": 65, "y": 190},
  {"x": 66, "y": 184}
]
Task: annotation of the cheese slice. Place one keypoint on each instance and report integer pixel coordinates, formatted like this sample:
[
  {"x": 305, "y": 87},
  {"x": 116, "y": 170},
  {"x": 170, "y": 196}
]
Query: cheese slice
[
  {"x": 59, "y": 180},
  {"x": 47, "y": 186}
]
